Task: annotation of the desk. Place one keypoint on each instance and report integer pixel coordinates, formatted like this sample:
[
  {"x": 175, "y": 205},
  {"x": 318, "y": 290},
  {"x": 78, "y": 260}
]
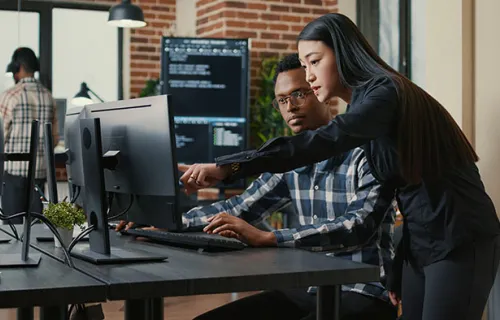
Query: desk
[
  {"x": 52, "y": 285},
  {"x": 188, "y": 272}
]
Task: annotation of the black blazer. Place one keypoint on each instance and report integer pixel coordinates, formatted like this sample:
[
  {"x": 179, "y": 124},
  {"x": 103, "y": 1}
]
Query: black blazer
[{"x": 439, "y": 215}]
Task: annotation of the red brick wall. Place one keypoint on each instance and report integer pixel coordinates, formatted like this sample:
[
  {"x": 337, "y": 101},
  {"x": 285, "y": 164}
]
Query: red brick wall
[
  {"x": 273, "y": 25},
  {"x": 145, "y": 42}
]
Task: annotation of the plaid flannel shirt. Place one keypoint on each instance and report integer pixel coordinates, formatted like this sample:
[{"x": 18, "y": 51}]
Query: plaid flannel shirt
[
  {"x": 28, "y": 100},
  {"x": 339, "y": 205}
]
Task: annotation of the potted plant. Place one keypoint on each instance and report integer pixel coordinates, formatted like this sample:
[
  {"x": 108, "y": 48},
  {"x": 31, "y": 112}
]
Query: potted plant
[
  {"x": 266, "y": 122},
  {"x": 64, "y": 216}
]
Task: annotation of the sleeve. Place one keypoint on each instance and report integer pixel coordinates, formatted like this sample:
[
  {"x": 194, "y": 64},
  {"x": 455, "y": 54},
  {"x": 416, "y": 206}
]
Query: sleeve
[
  {"x": 7, "y": 105},
  {"x": 355, "y": 227},
  {"x": 265, "y": 195},
  {"x": 367, "y": 120}
]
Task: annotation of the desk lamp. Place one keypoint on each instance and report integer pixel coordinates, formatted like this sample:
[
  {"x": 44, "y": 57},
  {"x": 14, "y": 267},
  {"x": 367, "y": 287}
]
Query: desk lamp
[{"x": 82, "y": 98}]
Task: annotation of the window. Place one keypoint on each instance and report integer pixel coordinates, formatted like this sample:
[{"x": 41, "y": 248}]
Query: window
[
  {"x": 24, "y": 29},
  {"x": 73, "y": 42},
  {"x": 84, "y": 49},
  {"x": 386, "y": 24}
]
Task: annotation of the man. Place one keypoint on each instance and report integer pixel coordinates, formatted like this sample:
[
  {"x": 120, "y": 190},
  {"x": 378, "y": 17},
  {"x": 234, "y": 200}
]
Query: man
[
  {"x": 339, "y": 205},
  {"x": 28, "y": 100}
]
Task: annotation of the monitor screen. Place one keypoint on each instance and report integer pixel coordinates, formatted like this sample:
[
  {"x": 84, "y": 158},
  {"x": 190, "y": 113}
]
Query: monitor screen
[{"x": 209, "y": 83}]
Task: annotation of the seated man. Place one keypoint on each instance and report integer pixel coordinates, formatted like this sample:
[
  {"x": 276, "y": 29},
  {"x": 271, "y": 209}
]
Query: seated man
[{"x": 339, "y": 205}]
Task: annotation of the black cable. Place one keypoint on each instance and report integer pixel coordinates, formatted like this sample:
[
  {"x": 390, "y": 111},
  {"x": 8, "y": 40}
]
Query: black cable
[
  {"x": 76, "y": 195},
  {"x": 80, "y": 236},
  {"x": 124, "y": 211},
  {"x": 11, "y": 225},
  {"x": 8, "y": 233},
  {"x": 55, "y": 233},
  {"x": 49, "y": 224},
  {"x": 14, "y": 230}
]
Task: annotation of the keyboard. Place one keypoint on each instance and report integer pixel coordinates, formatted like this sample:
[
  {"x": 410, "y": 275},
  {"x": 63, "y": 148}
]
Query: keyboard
[{"x": 191, "y": 240}]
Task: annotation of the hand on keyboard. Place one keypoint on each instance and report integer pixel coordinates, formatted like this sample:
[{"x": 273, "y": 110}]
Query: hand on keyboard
[
  {"x": 234, "y": 227},
  {"x": 126, "y": 225}
]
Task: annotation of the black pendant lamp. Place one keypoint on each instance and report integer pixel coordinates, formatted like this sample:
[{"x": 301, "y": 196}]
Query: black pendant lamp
[{"x": 126, "y": 15}]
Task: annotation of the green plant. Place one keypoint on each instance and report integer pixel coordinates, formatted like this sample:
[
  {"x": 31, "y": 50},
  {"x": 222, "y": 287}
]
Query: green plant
[
  {"x": 152, "y": 88},
  {"x": 266, "y": 122},
  {"x": 64, "y": 215}
]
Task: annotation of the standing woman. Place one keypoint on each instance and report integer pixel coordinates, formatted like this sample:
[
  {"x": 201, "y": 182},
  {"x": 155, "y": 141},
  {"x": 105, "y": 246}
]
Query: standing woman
[{"x": 451, "y": 243}]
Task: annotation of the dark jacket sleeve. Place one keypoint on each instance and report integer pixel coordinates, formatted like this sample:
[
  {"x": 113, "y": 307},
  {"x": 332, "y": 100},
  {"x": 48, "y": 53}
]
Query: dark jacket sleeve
[{"x": 372, "y": 114}]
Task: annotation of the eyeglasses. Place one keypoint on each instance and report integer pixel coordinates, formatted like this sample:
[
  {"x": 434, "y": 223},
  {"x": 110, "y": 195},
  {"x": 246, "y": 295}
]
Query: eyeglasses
[{"x": 297, "y": 99}]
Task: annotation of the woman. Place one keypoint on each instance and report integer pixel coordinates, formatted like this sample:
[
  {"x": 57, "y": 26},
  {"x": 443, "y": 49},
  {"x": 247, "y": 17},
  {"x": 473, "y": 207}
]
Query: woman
[{"x": 450, "y": 244}]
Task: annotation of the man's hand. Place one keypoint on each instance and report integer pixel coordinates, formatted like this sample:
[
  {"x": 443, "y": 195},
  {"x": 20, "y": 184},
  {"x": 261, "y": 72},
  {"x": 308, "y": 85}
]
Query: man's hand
[
  {"x": 234, "y": 227},
  {"x": 124, "y": 225},
  {"x": 199, "y": 176}
]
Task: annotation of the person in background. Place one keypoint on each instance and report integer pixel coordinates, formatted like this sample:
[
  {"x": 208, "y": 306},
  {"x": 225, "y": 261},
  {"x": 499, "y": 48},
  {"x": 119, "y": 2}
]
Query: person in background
[
  {"x": 28, "y": 100},
  {"x": 451, "y": 237},
  {"x": 339, "y": 205}
]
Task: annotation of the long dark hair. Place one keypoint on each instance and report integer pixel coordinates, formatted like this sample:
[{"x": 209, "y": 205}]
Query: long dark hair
[{"x": 429, "y": 140}]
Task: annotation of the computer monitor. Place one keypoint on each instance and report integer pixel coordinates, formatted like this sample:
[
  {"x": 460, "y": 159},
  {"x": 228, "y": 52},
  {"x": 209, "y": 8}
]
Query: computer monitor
[
  {"x": 48, "y": 144},
  {"x": 208, "y": 79},
  {"x": 72, "y": 143},
  {"x": 127, "y": 149}
]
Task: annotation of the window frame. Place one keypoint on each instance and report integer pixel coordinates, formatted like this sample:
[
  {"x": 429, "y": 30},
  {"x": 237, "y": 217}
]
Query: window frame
[{"x": 367, "y": 16}]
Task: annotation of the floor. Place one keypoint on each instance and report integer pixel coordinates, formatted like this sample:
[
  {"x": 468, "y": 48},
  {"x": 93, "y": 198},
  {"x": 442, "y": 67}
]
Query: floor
[{"x": 178, "y": 308}]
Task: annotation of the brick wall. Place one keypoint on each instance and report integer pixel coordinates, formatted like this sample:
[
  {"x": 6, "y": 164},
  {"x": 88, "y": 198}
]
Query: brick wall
[
  {"x": 273, "y": 25},
  {"x": 145, "y": 42}
]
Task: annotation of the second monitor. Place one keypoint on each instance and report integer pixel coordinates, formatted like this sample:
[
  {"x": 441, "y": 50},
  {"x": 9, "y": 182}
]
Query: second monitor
[{"x": 135, "y": 149}]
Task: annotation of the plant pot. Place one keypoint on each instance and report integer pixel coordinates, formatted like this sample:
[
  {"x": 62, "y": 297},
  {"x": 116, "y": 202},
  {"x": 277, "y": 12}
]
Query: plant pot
[{"x": 66, "y": 237}]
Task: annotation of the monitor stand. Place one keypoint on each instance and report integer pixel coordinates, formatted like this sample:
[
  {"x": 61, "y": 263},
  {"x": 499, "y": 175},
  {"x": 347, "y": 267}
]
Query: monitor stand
[
  {"x": 27, "y": 259},
  {"x": 4, "y": 240},
  {"x": 16, "y": 260},
  {"x": 99, "y": 250}
]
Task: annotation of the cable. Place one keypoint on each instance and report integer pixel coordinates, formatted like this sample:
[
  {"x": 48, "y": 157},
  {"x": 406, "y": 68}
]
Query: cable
[
  {"x": 56, "y": 233},
  {"x": 14, "y": 230},
  {"x": 76, "y": 194},
  {"x": 49, "y": 224},
  {"x": 124, "y": 211},
  {"x": 11, "y": 225},
  {"x": 80, "y": 236},
  {"x": 8, "y": 233}
]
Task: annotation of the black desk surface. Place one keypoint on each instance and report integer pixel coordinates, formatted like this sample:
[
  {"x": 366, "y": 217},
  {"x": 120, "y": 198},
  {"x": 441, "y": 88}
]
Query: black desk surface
[
  {"x": 51, "y": 283},
  {"x": 189, "y": 272}
]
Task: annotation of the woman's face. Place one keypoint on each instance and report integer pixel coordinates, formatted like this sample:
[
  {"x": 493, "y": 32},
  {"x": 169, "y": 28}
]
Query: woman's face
[{"x": 321, "y": 69}]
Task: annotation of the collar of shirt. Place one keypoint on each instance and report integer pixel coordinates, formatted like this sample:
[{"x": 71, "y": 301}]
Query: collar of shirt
[{"x": 28, "y": 80}]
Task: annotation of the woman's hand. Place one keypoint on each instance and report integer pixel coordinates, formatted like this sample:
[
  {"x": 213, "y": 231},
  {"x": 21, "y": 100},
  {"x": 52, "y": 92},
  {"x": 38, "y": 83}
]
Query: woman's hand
[
  {"x": 199, "y": 176},
  {"x": 394, "y": 298}
]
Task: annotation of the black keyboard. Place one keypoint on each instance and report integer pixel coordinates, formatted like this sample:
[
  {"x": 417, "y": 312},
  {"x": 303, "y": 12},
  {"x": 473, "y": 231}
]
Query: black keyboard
[{"x": 191, "y": 240}]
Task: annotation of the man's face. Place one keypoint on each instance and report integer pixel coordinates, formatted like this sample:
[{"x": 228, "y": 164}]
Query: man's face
[{"x": 310, "y": 114}]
